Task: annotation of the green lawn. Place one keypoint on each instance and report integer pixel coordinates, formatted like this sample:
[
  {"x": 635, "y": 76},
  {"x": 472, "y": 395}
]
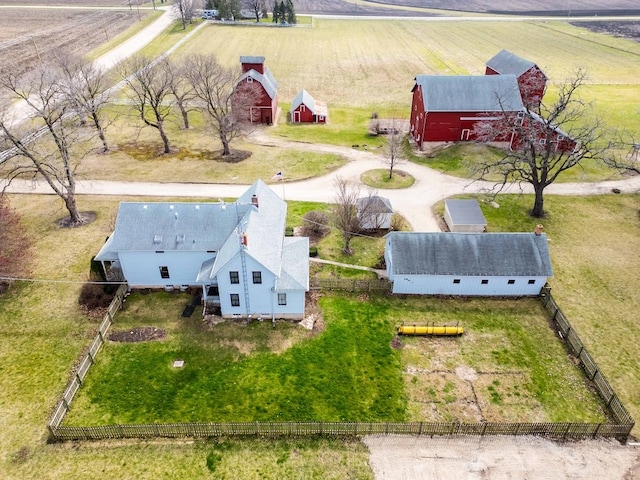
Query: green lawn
[{"x": 235, "y": 372}]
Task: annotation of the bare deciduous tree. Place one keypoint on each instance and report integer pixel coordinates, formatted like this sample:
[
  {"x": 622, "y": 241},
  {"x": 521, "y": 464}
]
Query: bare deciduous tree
[
  {"x": 544, "y": 145},
  {"x": 85, "y": 87},
  {"x": 226, "y": 106},
  {"x": 626, "y": 156},
  {"x": 150, "y": 91},
  {"x": 48, "y": 152},
  {"x": 182, "y": 90},
  {"x": 185, "y": 11},
  {"x": 257, "y": 7},
  {"x": 345, "y": 211},
  {"x": 394, "y": 146}
]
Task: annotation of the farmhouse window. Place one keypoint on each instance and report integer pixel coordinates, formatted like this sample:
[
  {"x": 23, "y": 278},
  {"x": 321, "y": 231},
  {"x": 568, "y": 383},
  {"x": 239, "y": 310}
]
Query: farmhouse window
[
  {"x": 235, "y": 300},
  {"x": 234, "y": 277},
  {"x": 511, "y": 282},
  {"x": 456, "y": 280},
  {"x": 257, "y": 277},
  {"x": 532, "y": 282},
  {"x": 164, "y": 272},
  {"x": 282, "y": 299},
  {"x": 484, "y": 281}
]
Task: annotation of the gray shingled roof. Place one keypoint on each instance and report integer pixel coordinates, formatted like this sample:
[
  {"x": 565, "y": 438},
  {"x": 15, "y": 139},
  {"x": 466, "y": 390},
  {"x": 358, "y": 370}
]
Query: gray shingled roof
[
  {"x": 267, "y": 81},
  {"x": 295, "y": 264},
  {"x": 505, "y": 62},
  {"x": 469, "y": 254},
  {"x": 153, "y": 226},
  {"x": 251, "y": 59},
  {"x": 265, "y": 232},
  {"x": 464, "y": 93},
  {"x": 303, "y": 97},
  {"x": 465, "y": 212}
]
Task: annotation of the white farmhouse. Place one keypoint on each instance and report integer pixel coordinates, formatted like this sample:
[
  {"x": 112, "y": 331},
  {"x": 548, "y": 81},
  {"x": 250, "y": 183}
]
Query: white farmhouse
[
  {"x": 468, "y": 264},
  {"x": 236, "y": 252}
]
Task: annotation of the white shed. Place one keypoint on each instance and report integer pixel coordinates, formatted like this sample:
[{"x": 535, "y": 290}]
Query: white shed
[
  {"x": 467, "y": 264},
  {"x": 464, "y": 216}
]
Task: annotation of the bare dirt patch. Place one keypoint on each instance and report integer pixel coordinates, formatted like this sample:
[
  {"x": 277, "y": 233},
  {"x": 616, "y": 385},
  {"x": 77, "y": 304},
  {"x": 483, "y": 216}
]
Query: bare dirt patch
[
  {"x": 31, "y": 36},
  {"x": 87, "y": 218},
  {"x": 138, "y": 334},
  {"x": 499, "y": 458}
]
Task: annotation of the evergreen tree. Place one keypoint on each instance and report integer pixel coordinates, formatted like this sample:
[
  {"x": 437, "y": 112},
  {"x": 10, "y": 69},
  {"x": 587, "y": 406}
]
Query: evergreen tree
[{"x": 290, "y": 15}]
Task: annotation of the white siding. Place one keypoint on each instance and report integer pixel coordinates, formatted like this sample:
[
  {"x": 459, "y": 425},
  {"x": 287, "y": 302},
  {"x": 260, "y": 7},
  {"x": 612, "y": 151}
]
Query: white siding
[
  {"x": 467, "y": 286},
  {"x": 142, "y": 269},
  {"x": 263, "y": 299}
]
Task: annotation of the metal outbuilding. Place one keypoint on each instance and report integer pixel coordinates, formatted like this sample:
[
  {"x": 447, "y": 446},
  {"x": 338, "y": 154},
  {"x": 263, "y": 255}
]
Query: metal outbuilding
[{"x": 464, "y": 216}]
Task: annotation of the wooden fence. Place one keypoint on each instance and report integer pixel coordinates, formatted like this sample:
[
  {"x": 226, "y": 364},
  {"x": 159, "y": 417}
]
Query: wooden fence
[
  {"x": 559, "y": 431},
  {"x": 619, "y": 429},
  {"x": 64, "y": 404},
  {"x": 592, "y": 371},
  {"x": 346, "y": 285}
]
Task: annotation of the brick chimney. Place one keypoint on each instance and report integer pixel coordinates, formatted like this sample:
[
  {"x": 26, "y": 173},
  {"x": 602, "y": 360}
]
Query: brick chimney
[
  {"x": 538, "y": 230},
  {"x": 254, "y": 200}
]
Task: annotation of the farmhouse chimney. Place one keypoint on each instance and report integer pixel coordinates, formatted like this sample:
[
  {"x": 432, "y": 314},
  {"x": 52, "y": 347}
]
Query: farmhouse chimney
[
  {"x": 254, "y": 200},
  {"x": 538, "y": 230}
]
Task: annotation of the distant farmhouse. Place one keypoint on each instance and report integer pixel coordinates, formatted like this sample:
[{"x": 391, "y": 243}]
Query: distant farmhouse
[
  {"x": 532, "y": 81},
  {"x": 468, "y": 264},
  {"x": 236, "y": 253},
  {"x": 306, "y": 109},
  {"x": 264, "y": 107},
  {"x": 447, "y": 108}
]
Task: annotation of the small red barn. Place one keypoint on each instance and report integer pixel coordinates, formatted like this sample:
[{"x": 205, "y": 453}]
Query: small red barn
[
  {"x": 264, "y": 103},
  {"x": 447, "y": 108},
  {"x": 531, "y": 79},
  {"x": 305, "y": 109}
]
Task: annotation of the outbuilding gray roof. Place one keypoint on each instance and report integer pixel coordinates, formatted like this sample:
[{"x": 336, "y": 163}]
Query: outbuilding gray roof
[
  {"x": 469, "y": 93},
  {"x": 469, "y": 254},
  {"x": 304, "y": 98},
  {"x": 505, "y": 62},
  {"x": 465, "y": 212}
]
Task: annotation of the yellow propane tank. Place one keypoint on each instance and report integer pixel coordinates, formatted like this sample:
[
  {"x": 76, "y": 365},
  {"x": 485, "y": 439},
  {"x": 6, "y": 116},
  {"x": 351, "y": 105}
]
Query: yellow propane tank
[{"x": 429, "y": 330}]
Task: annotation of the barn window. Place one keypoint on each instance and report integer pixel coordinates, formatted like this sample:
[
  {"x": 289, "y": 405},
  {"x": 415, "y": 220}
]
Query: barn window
[
  {"x": 257, "y": 277},
  {"x": 235, "y": 300},
  {"x": 511, "y": 282},
  {"x": 164, "y": 272},
  {"x": 303, "y": 107},
  {"x": 531, "y": 282},
  {"x": 484, "y": 281},
  {"x": 456, "y": 280},
  {"x": 282, "y": 299},
  {"x": 249, "y": 79},
  {"x": 234, "y": 277}
]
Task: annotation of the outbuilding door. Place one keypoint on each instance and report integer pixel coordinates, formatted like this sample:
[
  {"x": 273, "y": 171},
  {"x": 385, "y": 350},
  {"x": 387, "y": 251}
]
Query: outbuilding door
[{"x": 296, "y": 116}]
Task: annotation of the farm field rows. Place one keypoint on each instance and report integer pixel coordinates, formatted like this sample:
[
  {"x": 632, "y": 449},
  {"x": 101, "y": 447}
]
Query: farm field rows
[{"x": 372, "y": 64}]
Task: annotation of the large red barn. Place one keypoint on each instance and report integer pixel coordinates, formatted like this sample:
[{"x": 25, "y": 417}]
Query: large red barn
[
  {"x": 264, "y": 106},
  {"x": 531, "y": 79},
  {"x": 447, "y": 108}
]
